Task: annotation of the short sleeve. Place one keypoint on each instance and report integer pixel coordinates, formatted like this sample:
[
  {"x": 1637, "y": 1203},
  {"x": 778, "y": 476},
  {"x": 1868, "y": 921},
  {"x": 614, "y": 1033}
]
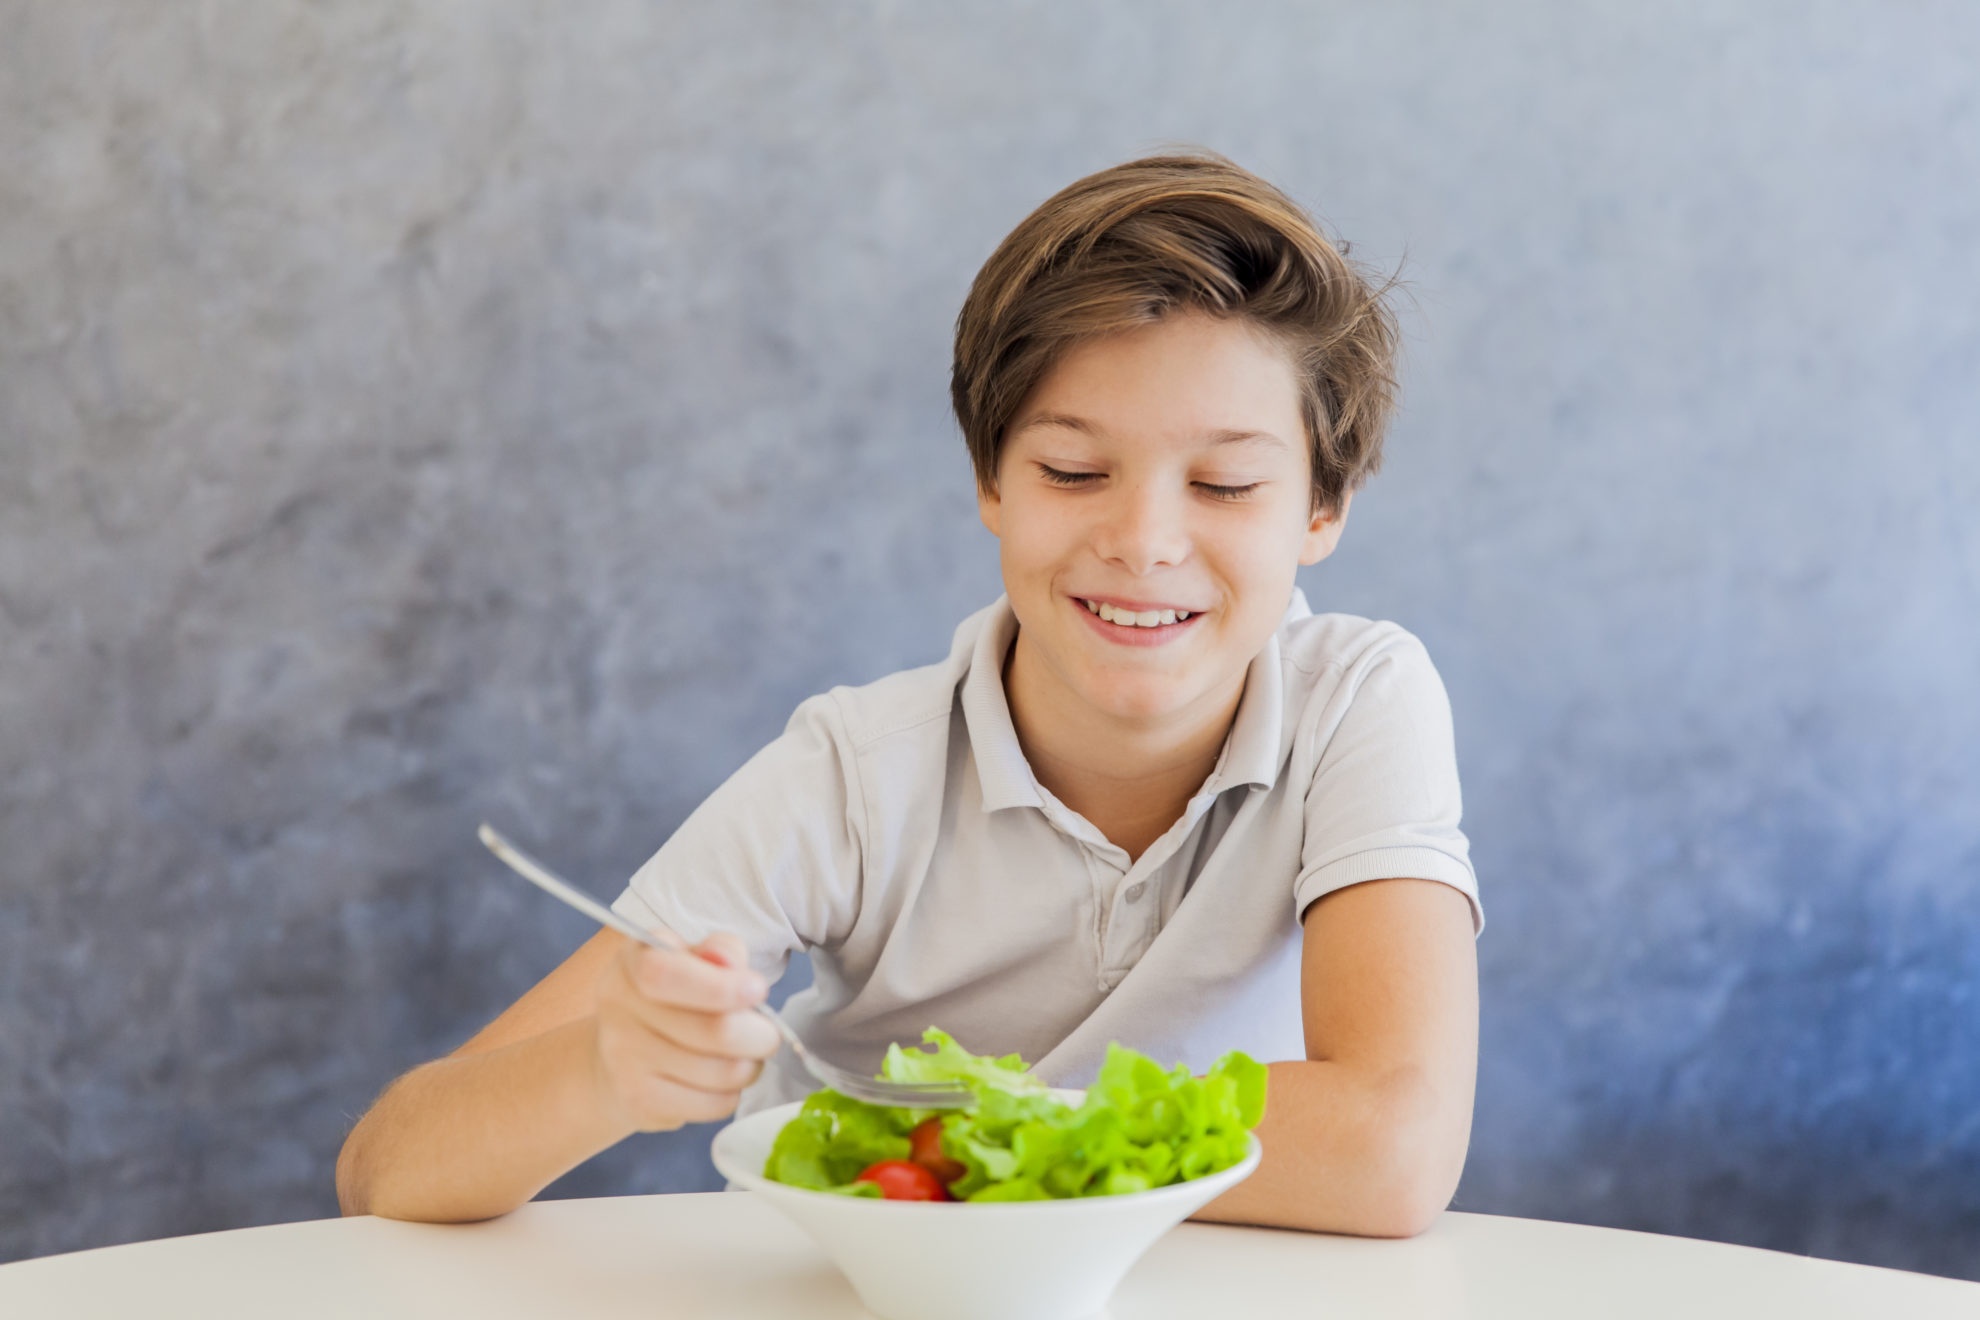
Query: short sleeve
[
  {"x": 772, "y": 856},
  {"x": 1384, "y": 801}
]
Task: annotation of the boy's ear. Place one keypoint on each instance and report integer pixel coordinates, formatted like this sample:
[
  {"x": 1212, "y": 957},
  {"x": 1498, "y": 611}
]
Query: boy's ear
[
  {"x": 1323, "y": 533},
  {"x": 989, "y": 508}
]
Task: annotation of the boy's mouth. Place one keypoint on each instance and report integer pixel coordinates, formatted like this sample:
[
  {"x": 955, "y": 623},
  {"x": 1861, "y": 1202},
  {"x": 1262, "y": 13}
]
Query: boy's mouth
[
  {"x": 1150, "y": 617},
  {"x": 1137, "y": 621}
]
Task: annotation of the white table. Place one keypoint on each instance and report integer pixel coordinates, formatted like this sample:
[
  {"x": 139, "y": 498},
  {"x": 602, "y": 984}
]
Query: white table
[{"x": 729, "y": 1255}]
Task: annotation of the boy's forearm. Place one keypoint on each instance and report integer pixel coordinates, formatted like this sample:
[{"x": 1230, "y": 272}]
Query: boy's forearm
[
  {"x": 1350, "y": 1153},
  {"x": 474, "y": 1136}
]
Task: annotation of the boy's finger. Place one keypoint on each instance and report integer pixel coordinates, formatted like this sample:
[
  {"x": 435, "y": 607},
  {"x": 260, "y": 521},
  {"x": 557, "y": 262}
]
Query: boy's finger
[
  {"x": 725, "y": 949},
  {"x": 689, "y": 1104},
  {"x": 732, "y": 1035},
  {"x": 690, "y": 982},
  {"x": 663, "y": 1058}
]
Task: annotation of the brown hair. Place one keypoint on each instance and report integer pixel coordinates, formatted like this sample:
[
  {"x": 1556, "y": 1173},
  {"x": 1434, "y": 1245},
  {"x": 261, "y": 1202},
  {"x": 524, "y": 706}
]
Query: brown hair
[{"x": 1129, "y": 245}]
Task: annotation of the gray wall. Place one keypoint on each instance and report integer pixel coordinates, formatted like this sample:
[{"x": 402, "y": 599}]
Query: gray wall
[{"x": 416, "y": 412}]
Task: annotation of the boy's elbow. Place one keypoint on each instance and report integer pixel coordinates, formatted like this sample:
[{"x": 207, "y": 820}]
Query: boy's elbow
[
  {"x": 1397, "y": 1196},
  {"x": 353, "y": 1196},
  {"x": 359, "y": 1162},
  {"x": 1399, "y": 1203},
  {"x": 1419, "y": 1172},
  {"x": 1408, "y": 1210}
]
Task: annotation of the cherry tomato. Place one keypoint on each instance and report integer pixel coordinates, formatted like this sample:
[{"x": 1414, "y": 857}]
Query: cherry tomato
[
  {"x": 904, "y": 1180},
  {"x": 925, "y": 1149}
]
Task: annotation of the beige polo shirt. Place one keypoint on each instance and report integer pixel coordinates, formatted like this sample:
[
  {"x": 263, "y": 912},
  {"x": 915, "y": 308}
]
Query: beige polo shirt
[{"x": 897, "y": 832}]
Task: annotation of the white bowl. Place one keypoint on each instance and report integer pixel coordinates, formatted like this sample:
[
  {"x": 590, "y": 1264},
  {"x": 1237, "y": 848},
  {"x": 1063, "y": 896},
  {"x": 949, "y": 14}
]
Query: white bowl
[{"x": 1005, "y": 1260}]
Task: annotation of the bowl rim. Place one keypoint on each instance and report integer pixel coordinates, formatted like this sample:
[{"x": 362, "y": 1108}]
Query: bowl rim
[{"x": 731, "y": 1168}]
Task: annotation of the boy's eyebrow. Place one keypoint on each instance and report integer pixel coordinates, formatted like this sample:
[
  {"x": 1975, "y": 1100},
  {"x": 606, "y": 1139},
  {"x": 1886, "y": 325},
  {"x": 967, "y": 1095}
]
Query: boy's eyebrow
[
  {"x": 1066, "y": 420},
  {"x": 1080, "y": 424}
]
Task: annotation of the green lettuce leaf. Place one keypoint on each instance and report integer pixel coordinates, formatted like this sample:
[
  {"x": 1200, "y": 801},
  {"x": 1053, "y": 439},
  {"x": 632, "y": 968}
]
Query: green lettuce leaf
[
  {"x": 834, "y": 1137},
  {"x": 950, "y": 1062},
  {"x": 1140, "y": 1126}
]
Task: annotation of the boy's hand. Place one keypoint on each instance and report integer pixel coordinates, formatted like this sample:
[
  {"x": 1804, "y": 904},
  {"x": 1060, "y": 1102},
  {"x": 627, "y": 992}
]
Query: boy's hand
[{"x": 676, "y": 1041}]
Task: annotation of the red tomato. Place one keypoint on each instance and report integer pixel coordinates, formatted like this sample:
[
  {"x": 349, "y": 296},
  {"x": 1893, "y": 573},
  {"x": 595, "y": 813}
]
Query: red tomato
[
  {"x": 925, "y": 1149},
  {"x": 904, "y": 1180}
]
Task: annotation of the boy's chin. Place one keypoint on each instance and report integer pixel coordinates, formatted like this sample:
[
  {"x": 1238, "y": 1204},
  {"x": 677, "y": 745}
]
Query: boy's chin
[{"x": 1139, "y": 700}]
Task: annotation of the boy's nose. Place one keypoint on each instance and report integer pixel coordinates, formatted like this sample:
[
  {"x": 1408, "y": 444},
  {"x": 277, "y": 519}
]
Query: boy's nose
[{"x": 1141, "y": 530}]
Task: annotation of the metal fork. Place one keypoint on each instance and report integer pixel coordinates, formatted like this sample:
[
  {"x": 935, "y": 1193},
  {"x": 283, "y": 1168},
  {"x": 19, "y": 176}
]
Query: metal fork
[{"x": 910, "y": 1095}]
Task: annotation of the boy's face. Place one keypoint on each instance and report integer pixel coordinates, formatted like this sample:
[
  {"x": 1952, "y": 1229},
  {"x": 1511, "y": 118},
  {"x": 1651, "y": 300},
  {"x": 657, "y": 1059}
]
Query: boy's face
[{"x": 1161, "y": 469}]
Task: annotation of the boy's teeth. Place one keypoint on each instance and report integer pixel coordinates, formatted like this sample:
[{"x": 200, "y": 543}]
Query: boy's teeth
[{"x": 1135, "y": 619}]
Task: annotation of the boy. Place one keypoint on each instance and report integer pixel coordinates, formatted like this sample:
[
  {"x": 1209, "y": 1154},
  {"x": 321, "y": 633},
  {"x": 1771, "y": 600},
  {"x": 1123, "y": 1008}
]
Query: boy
[{"x": 1148, "y": 797}]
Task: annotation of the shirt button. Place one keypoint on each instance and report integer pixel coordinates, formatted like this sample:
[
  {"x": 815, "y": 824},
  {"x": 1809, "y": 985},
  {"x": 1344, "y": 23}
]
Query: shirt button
[{"x": 1135, "y": 891}]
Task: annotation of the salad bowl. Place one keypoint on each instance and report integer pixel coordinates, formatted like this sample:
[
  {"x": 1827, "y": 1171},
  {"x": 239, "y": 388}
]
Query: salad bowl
[{"x": 917, "y": 1260}]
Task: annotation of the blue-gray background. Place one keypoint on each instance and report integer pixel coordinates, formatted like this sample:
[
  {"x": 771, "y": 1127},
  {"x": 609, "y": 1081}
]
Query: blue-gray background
[{"x": 417, "y": 412}]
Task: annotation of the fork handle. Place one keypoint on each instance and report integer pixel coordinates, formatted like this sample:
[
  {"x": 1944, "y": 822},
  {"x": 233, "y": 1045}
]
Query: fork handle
[{"x": 550, "y": 883}]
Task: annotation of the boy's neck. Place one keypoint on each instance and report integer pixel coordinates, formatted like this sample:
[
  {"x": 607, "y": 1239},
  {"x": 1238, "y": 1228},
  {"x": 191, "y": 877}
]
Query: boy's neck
[{"x": 1132, "y": 779}]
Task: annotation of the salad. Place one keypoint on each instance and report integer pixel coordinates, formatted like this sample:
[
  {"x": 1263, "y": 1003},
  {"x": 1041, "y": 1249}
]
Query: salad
[{"x": 1139, "y": 1126}]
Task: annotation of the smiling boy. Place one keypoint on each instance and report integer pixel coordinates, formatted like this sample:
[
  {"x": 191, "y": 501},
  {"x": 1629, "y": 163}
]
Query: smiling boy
[{"x": 1148, "y": 797}]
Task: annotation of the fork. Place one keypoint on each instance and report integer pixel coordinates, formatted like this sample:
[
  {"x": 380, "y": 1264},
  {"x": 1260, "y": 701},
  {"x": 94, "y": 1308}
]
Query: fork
[{"x": 909, "y": 1095}]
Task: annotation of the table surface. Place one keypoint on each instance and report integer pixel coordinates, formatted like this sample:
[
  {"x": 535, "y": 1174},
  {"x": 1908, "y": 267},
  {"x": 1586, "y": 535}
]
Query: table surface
[{"x": 733, "y": 1256}]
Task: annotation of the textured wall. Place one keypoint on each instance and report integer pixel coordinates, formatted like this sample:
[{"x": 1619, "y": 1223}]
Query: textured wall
[{"x": 415, "y": 412}]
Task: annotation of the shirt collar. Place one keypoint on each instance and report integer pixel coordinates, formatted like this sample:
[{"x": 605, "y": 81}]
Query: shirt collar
[
  {"x": 1252, "y": 753},
  {"x": 1256, "y": 746},
  {"x": 1001, "y": 770}
]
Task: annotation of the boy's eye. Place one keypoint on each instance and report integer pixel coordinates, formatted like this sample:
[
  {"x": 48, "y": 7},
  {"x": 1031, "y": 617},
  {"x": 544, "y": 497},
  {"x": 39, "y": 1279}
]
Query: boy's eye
[{"x": 1059, "y": 478}]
